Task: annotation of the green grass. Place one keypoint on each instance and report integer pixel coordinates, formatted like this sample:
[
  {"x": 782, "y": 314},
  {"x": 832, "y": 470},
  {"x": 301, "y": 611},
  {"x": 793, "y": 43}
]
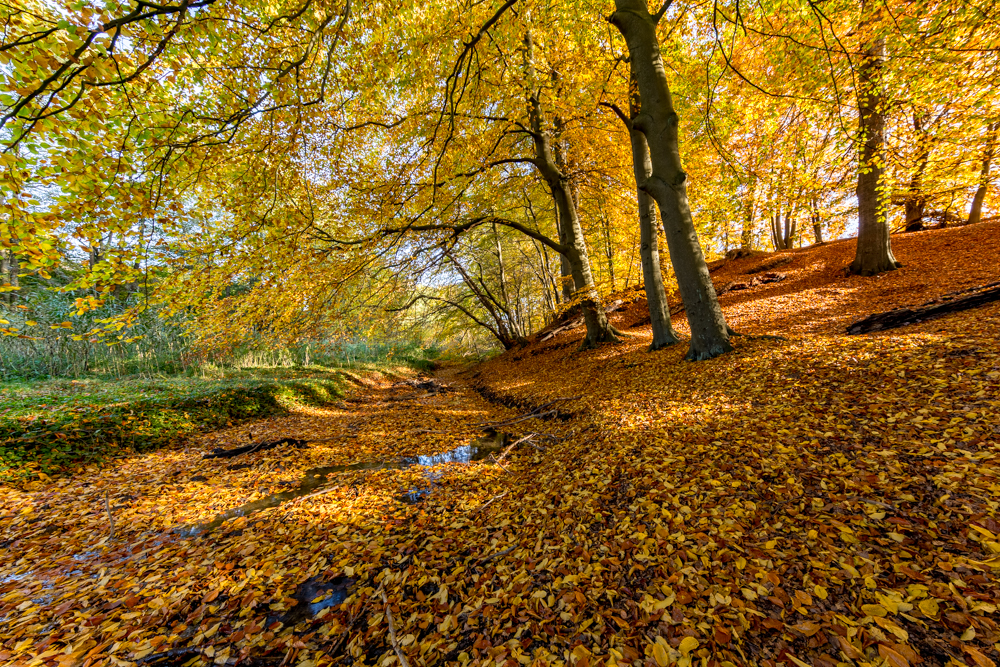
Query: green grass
[{"x": 53, "y": 426}]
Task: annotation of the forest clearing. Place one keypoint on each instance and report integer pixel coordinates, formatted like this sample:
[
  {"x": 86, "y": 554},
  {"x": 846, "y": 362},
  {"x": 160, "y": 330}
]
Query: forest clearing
[
  {"x": 489, "y": 333},
  {"x": 814, "y": 498}
]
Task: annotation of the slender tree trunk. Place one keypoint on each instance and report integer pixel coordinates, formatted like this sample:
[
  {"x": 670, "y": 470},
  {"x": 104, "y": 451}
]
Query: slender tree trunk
[
  {"x": 791, "y": 227},
  {"x": 609, "y": 249},
  {"x": 916, "y": 200},
  {"x": 5, "y": 275},
  {"x": 667, "y": 183},
  {"x": 649, "y": 252},
  {"x": 817, "y": 223},
  {"x": 14, "y": 268},
  {"x": 746, "y": 233},
  {"x": 874, "y": 249},
  {"x": 599, "y": 330},
  {"x": 976, "y": 212}
]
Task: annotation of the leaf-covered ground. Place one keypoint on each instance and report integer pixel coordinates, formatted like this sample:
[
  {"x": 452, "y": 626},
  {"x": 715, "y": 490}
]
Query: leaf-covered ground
[{"x": 813, "y": 500}]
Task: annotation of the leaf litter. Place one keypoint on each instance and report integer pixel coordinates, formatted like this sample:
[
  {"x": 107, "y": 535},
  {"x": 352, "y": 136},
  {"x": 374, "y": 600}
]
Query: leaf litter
[{"x": 813, "y": 500}]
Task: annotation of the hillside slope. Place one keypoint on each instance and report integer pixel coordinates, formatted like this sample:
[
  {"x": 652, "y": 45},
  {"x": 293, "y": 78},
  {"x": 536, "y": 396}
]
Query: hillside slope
[
  {"x": 822, "y": 498},
  {"x": 809, "y": 499}
]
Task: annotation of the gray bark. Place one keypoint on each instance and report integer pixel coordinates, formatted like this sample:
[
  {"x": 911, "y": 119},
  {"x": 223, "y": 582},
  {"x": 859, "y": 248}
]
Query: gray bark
[
  {"x": 874, "y": 249},
  {"x": 664, "y": 334},
  {"x": 976, "y": 212},
  {"x": 916, "y": 199},
  {"x": 599, "y": 330},
  {"x": 667, "y": 183},
  {"x": 817, "y": 223}
]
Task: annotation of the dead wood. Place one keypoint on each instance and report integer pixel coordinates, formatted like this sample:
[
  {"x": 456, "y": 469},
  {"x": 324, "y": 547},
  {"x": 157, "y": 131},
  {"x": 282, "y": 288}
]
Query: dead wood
[
  {"x": 953, "y": 302},
  {"x": 219, "y": 453}
]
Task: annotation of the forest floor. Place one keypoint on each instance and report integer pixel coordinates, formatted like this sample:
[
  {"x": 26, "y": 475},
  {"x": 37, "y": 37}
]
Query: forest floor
[{"x": 810, "y": 499}]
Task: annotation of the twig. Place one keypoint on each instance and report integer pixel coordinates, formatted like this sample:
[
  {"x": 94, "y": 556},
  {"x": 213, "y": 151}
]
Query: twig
[
  {"x": 538, "y": 415},
  {"x": 877, "y": 503},
  {"x": 489, "y": 502},
  {"x": 484, "y": 561},
  {"x": 392, "y": 632},
  {"x": 499, "y": 465},
  {"x": 534, "y": 414},
  {"x": 513, "y": 445},
  {"x": 107, "y": 508},
  {"x": 172, "y": 653},
  {"x": 335, "y": 648}
]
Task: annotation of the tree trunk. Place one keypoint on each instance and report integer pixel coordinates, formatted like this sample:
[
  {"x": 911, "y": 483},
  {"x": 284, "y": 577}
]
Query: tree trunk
[
  {"x": 817, "y": 223},
  {"x": 874, "y": 250},
  {"x": 649, "y": 252},
  {"x": 5, "y": 275},
  {"x": 599, "y": 330},
  {"x": 667, "y": 183},
  {"x": 916, "y": 200},
  {"x": 976, "y": 212},
  {"x": 746, "y": 234}
]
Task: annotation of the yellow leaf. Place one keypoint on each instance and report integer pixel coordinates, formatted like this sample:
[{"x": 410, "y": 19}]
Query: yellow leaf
[
  {"x": 929, "y": 607},
  {"x": 688, "y": 644},
  {"x": 873, "y": 610},
  {"x": 797, "y": 661},
  {"x": 983, "y": 531},
  {"x": 969, "y": 634},
  {"x": 660, "y": 655},
  {"x": 820, "y": 592}
]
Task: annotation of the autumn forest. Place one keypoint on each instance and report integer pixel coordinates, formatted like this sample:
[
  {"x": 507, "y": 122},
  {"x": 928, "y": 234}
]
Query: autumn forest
[{"x": 499, "y": 332}]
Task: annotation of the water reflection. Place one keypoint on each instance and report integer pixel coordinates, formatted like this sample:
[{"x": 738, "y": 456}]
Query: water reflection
[{"x": 492, "y": 442}]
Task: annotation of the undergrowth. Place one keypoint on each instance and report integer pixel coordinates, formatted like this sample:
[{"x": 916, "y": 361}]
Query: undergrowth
[{"x": 50, "y": 427}]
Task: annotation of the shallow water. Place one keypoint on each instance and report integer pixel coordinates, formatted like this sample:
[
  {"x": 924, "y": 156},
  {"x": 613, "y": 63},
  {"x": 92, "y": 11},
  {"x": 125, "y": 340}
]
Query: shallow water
[{"x": 480, "y": 449}]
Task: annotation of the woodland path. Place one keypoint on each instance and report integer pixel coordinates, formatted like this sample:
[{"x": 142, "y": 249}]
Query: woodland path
[{"x": 170, "y": 585}]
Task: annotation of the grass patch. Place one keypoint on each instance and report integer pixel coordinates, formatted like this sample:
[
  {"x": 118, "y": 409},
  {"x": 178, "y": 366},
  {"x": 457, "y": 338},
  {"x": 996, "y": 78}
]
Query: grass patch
[{"x": 53, "y": 426}]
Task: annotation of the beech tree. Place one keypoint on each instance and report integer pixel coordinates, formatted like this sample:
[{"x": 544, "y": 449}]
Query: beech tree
[{"x": 667, "y": 182}]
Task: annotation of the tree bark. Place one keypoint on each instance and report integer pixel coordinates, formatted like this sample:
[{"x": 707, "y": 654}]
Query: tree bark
[
  {"x": 746, "y": 233},
  {"x": 664, "y": 334},
  {"x": 817, "y": 223},
  {"x": 916, "y": 200},
  {"x": 5, "y": 275},
  {"x": 874, "y": 250},
  {"x": 599, "y": 330},
  {"x": 976, "y": 212},
  {"x": 667, "y": 183}
]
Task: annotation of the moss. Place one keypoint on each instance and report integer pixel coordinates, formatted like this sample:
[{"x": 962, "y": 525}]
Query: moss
[{"x": 57, "y": 441}]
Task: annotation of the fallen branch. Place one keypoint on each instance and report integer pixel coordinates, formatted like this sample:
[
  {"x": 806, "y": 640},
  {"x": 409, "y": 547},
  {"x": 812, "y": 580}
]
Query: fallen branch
[
  {"x": 953, "y": 302},
  {"x": 220, "y": 453},
  {"x": 172, "y": 653},
  {"x": 498, "y": 464},
  {"x": 392, "y": 632},
  {"x": 111, "y": 519},
  {"x": 536, "y": 413},
  {"x": 513, "y": 445},
  {"x": 489, "y": 502},
  {"x": 499, "y": 554}
]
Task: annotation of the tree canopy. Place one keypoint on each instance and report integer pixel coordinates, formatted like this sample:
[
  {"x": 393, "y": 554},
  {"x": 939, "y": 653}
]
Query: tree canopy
[{"x": 300, "y": 166}]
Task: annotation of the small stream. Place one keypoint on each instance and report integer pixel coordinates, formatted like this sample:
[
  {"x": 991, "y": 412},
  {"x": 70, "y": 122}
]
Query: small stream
[{"x": 491, "y": 443}]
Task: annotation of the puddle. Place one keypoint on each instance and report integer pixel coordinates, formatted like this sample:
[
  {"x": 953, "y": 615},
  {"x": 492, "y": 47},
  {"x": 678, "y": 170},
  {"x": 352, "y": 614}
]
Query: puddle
[
  {"x": 493, "y": 442},
  {"x": 313, "y": 596}
]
